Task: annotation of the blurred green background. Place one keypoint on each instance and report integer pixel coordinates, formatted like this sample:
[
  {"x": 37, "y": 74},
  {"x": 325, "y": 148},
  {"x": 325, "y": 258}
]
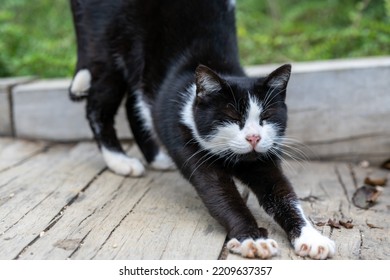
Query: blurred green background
[{"x": 37, "y": 38}]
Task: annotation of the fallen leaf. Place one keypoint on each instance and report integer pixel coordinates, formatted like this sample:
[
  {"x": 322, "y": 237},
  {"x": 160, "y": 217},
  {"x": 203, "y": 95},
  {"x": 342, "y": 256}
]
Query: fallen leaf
[
  {"x": 333, "y": 223},
  {"x": 320, "y": 224},
  {"x": 366, "y": 196},
  {"x": 375, "y": 181},
  {"x": 348, "y": 224},
  {"x": 310, "y": 198},
  {"x": 372, "y": 226},
  {"x": 67, "y": 244},
  {"x": 386, "y": 164}
]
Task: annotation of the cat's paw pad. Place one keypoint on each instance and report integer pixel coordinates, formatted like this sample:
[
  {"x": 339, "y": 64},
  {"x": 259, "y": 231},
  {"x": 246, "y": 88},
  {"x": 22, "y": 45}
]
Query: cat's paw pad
[
  {"x": 249, "y": 248},
  {"x": 163, "y": 162},
  {"x": 313, "y": 244},
  {"x": 80, "y": 84},
  {"x": 122, "y": 164}
]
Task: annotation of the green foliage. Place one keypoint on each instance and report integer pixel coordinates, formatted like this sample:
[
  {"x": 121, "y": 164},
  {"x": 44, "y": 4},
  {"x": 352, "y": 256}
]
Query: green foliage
[
  {"x": 37, "y": 37},
  {"x": 291, "y": 30}
]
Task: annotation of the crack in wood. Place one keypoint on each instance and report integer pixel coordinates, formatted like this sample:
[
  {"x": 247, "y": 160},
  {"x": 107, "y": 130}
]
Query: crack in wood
[
  {"x": 361, "y": 244},
  {"x": 79, "y": 245},
  {"x": 9, "y": 181},
  {"x": 29, "y": 157},
  {"x": 59, "y": 215},
  {"x": 120, "y": 222},
  {"x": 105, "y": 204},
  {"x": 353, "y": 175},
  {"x": 88, "y": 216},
  {"x": 342, "y": 184},
  {"x": 25, "y": 214},
  {"x": 166, "y": 244}
]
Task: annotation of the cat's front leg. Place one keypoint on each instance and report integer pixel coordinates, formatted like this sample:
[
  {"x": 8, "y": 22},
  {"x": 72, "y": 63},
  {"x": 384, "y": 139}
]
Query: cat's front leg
[
  {"x": 263, "y": 248},
  {"x": 279, "y": 200},
  {"x": 219, "y": 193},
  {"x": 310, "y": 243}
]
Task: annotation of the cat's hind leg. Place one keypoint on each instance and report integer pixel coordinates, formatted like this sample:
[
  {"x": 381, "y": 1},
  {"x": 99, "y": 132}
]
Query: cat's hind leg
[
  {"x": 140, "y": 118},
  {"x": 104, "y": 98}
]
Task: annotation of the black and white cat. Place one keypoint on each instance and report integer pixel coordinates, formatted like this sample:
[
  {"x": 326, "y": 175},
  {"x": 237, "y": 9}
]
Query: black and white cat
[{"x": 190, "y": 105}]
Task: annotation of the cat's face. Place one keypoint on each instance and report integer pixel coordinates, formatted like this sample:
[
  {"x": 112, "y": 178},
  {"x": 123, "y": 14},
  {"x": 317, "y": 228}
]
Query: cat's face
[{"x": 243, "y": 117}]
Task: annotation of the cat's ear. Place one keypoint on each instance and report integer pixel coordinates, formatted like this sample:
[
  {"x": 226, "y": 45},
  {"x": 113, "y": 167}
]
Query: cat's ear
[
  {"x": 207, "y": 81},
  {"x": 279, "y": 78}
]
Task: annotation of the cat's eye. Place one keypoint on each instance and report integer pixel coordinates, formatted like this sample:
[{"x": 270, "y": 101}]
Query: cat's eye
[
  {"x": 232, "y": 113},
  {"x": 265, "y": 115}
]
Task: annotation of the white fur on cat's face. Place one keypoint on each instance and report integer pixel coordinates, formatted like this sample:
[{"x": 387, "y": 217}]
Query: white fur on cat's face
[{"x": 230, "y": 137}]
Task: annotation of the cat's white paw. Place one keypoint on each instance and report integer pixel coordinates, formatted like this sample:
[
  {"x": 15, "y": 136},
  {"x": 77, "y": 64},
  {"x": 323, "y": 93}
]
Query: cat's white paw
[
  {"x": 249, "y": 248},
  {"x": 122, "y": 164},
  {"x": 81, "y": 83},
  {"x": 163, "y": 162},
  {"x": 313, "y": 244}
]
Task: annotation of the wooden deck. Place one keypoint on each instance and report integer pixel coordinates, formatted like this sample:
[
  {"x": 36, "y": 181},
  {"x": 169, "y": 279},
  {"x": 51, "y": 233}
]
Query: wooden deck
[{"x": 59, "y": 201}]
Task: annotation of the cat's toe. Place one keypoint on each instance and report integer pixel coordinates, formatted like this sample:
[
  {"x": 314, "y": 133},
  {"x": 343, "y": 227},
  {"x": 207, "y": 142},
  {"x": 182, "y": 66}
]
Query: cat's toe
[
  {"x": 249, "y": 248},
  {"x": 266, "y": 248},
  {"x": 314, "y": 245},
  {"x": 122, "y": 164}
]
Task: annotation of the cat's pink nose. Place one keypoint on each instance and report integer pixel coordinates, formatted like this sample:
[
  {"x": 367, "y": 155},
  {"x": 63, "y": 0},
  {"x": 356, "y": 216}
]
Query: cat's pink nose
[{"x": 253, "y": 139}]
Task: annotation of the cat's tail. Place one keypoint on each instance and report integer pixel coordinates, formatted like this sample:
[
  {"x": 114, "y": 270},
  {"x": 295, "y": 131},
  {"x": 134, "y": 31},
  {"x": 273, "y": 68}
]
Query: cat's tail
[
  {"x": 80, "y": 85},
  {"x": 81, "y": 82}
]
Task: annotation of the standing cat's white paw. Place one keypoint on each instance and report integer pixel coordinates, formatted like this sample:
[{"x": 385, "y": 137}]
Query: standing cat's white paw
[
  {"x": 249, "y": 248},
  {"x": 313, "y": 244},
  {"x": 122, "y": 164},
  {"x": 163, "y": 162},
  {"x": 81, "y": 83}
]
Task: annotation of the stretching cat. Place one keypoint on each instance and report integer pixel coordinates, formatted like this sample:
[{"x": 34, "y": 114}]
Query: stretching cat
[{"x": 189, "y": 100}]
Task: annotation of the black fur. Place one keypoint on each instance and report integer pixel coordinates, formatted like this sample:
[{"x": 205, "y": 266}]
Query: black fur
[{"x": 157, "y": 47}]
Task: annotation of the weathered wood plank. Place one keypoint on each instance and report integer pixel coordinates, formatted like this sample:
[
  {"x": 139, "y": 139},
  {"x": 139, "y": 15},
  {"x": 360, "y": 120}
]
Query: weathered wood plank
[
  {"x": 49, "y": 183},
  {"x": 170, "y": 222},
  {"x": 87, "y": 223},
  {"x": 117, "y": 218},
  {"x": 14, "y": 152},
  {"x": 374, "y": 242}
]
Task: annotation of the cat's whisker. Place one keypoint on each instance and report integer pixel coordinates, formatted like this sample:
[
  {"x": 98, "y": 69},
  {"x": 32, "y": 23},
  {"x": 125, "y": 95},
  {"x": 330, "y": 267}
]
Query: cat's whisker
[
  {"x": 298, "y": 146},
  {"x": 269, "y": 94},
  {"x": 299, "y": 154},
  {"x": 266, "y": 103},
  {"x": 285, "y": 162}
]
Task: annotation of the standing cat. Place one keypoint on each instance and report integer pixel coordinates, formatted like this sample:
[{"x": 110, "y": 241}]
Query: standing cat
[{"x": 189, "y": 100}]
